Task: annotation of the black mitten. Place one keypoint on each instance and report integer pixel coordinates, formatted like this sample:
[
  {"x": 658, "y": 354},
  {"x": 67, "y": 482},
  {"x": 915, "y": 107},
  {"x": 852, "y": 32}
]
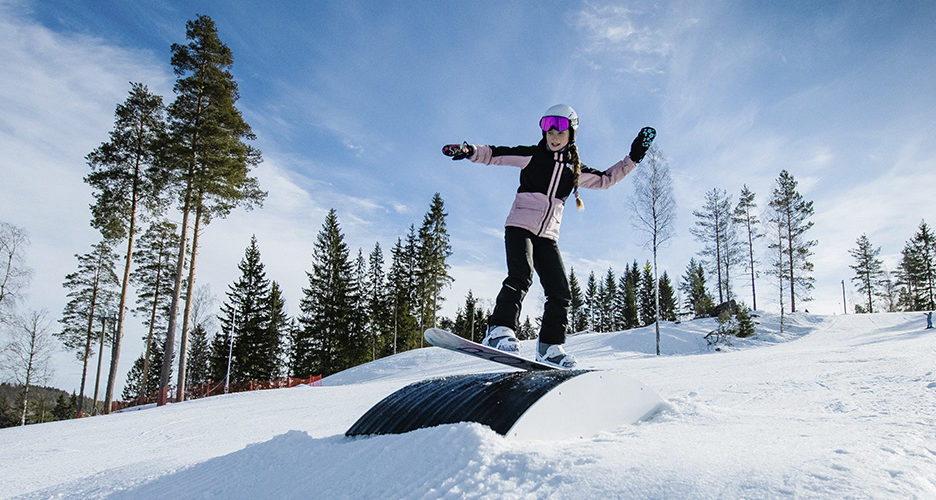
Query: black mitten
[
  {"x": 458, "y": 151},
  {"x": 642, "y": 143}
]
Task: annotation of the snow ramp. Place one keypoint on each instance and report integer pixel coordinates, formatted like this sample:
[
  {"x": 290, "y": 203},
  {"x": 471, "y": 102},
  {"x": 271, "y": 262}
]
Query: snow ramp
[{"x": 556, "y": 404}]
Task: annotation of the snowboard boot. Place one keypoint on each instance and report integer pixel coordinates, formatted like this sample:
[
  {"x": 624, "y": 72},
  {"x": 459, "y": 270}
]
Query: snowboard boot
[
  {"x": 501, "y": 338},
  {"x": 554, "y": 354}
]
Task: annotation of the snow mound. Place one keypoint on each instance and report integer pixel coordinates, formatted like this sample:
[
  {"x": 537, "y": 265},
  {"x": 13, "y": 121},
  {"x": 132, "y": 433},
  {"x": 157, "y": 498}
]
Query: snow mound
[{"x": 834, "y": 406}]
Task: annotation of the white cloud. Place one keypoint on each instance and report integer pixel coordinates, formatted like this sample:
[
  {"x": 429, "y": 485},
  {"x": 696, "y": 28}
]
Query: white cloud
[
  {"x": 620, "y": 38},
  {"x": 57, "y": 97}
]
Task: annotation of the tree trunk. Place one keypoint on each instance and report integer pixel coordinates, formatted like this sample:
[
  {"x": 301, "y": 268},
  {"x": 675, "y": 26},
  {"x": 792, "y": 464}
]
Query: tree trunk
[
  {"x": 169, "y": 351},
  {"x": 183, "y": 343},
  {"x": 115, "y": 351},
  {"x": 790, "y": 246},
  {"x": 97, "y": 379},
  {"x": 149, "y": 334},
  {"x": 29, "y": 367}
]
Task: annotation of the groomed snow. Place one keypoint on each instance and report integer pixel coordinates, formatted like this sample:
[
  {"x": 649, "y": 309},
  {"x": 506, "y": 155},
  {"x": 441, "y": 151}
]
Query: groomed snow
[{"x": 837, "y": 406}]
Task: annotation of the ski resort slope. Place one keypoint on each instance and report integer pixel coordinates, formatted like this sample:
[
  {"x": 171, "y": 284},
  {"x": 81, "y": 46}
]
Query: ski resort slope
[{"x": 836, "y": 406}]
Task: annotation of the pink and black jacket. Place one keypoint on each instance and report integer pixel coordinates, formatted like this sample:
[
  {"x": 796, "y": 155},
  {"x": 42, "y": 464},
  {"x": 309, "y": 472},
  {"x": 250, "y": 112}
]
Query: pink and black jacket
[{"x": 545, "y": 183}]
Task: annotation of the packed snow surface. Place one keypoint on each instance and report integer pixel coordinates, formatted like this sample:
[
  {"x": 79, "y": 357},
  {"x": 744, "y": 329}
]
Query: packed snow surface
[{"x": 835, "y": 406}]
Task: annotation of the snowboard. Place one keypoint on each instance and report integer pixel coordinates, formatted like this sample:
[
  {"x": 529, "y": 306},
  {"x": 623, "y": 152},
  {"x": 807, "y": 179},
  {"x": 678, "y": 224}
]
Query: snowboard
[{"x": 448, "y": 340}]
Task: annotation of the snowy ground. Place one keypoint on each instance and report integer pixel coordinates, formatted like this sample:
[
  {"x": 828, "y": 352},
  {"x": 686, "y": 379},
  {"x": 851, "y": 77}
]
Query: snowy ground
[{"x": 837, "y": 406}]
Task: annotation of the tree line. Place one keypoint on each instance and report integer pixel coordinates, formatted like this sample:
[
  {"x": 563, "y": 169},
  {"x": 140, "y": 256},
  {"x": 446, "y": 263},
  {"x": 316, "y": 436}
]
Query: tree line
[
  {"x": 911, "y": 286},
  {"x": 353, "y": 309}
]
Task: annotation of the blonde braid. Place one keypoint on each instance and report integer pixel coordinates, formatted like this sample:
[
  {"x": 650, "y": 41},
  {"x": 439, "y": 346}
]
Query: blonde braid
[{"x": 576, "y": 172}]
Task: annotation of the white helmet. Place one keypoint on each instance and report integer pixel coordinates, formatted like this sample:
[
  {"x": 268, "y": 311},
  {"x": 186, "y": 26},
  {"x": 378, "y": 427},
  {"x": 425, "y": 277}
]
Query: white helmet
[{"x": 565, "y": 111}]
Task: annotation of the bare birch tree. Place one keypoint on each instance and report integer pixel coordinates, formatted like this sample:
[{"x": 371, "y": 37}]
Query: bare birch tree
[
  {"x": 655, "y": 209},
  {"x": 29, "y": 351}
]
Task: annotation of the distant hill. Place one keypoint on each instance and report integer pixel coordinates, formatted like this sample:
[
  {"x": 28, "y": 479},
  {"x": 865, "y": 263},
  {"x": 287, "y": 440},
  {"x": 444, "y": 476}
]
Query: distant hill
[{"x": 46, "y": 404}]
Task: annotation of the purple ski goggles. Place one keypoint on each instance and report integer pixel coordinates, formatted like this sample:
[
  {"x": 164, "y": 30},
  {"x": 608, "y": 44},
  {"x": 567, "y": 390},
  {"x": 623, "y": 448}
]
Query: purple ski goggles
[{"x": 560, "y": 123}]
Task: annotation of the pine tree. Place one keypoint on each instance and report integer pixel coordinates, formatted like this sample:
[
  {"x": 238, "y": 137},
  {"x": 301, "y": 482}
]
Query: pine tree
[
  {"x": 126, "y": 178},
  {"x": 92, "y": 293},
  {"x": 791, "y": 213},
  {"x": 210, "y": 159},
  {"x": 745, "y": 215},
  {"x": 714, "y": 228},
  {"x": 778, "y": 262},
  {"x": 869, "y": 269},
  {"x": 325, "y": 305},
  {"x": 153, "y": 278}
]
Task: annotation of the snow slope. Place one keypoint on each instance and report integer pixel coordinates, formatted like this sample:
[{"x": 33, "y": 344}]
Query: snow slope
[{"x": 837, "y": 406}]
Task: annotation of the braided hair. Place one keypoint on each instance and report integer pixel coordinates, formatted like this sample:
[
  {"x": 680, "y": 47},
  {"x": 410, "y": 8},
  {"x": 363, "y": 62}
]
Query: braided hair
[{"x": 576, "y": 172}]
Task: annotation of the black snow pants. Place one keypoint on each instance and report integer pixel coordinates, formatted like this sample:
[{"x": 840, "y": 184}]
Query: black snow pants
[{"x": 526, "y": 252}]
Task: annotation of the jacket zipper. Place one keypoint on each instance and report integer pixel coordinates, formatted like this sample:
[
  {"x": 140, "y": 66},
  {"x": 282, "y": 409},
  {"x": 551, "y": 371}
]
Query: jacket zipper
[{"x": 550, "y": 191}]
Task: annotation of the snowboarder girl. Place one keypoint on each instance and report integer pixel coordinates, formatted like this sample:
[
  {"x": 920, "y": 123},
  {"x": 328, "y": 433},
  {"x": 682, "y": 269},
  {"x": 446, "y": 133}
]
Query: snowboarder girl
[{"x": 550, "y": 172}]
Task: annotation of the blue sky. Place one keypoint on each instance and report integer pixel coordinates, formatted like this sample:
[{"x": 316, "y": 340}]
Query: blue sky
[{"x": 352, "y": 101}]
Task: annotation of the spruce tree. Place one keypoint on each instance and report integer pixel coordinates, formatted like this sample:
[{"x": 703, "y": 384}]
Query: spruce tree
[
  {"x": 592, "y": 302},
  {"x": 433, "y": 251},
  {"x": 744, "y": 323},
  {"x": 246, "y": 308},
  {"x": 578, "y": 319},
  {"x": 646, "y": 296},
  {"x": 698, "y": 300},
  {"x": 198, "y": 371},
  {"x": 527, "y": 330},
  {"x": 792, "y": 213},
  {"x": 869, "y": 269},
  {"x": 610, "y": 314},
  {"x": 667, "y": 299},
  {"x": 209, "y": 157},
  {"x": 325, "y": 306},
  {"x": 466, "y": 324},
  {"x": 405, "y": 325},
  {"x": 275, "y": 334},
  {"x": 355, "y": 349},
  {"x": 378, "y": 301},
  {"x": 630, "y": 283},
  {"x": 600, "y": 309}
]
